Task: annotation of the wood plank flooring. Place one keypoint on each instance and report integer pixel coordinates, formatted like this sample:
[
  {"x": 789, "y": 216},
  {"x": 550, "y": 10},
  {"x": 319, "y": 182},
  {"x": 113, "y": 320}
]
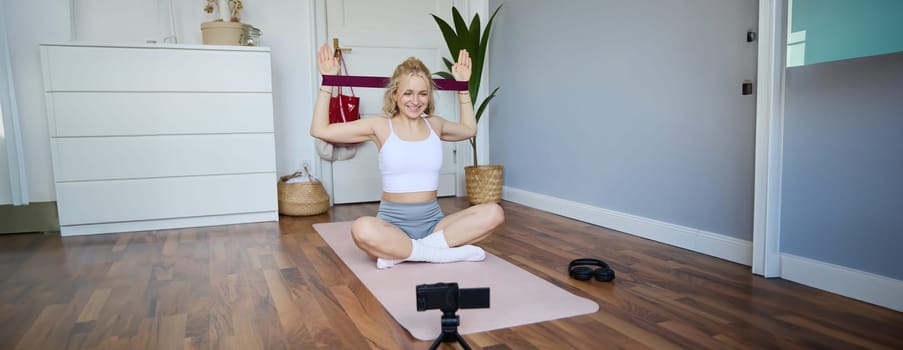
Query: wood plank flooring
[{"x": 279, "y": 286}]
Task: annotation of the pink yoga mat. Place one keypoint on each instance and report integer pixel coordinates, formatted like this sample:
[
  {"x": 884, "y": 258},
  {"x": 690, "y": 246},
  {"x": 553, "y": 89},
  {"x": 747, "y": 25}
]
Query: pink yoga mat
[{"x": 517, "y": 297}]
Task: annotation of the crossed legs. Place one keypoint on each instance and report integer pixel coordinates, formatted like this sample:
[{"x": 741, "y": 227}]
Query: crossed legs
[
  {"x": 471, "y": 225},
  {"x": 380, "y": 239}
]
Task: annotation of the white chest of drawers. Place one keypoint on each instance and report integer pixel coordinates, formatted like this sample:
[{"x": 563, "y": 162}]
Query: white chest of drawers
[{"x": 148, "y": 137}]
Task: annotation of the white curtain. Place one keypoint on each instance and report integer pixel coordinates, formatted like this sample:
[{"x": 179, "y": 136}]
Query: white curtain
[{"x": 9, "y": 132}]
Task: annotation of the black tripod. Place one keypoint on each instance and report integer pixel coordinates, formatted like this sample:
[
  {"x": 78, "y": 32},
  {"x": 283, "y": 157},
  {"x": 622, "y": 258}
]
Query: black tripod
[{"x": 450, "y": 323}]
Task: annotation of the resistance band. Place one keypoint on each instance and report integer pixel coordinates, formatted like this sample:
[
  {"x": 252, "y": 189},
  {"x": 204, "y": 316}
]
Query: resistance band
[{"x": 381, "y": 82}]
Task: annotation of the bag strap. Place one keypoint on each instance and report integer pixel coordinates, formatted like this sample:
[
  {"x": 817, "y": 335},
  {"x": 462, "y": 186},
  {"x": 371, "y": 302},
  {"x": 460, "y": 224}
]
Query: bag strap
[
  {"x": 339, "y": 97},
  {"x": 309, "y": 176},
  {"x": 345, "y": 68},
  {"x": 299, "y": 173},
  {"x": 290, "y": 176}
]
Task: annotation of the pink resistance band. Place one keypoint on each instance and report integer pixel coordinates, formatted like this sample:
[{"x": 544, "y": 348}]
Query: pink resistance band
[{"x": 381, "y": 82}]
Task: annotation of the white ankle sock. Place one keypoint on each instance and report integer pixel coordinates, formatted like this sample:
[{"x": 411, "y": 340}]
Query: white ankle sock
[
  {"x": 420, "y": 251},
  {"x": 435, "y": 239},
  {"x": 387, "y": 263},
  {"x": 423, "y": 252}
]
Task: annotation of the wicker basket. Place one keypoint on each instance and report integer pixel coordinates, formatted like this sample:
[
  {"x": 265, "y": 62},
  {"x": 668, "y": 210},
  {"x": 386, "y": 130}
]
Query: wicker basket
[
  {"x": 484, "y": 183},
  {"x": 301, "y": 198}
]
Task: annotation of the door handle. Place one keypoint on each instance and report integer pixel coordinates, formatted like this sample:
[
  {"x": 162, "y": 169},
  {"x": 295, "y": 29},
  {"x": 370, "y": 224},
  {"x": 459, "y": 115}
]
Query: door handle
[{"x": 335, "y": 44}]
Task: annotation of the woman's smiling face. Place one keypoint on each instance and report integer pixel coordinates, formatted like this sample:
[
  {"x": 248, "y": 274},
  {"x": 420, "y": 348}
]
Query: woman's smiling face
[{"x": 413, "y": 96}]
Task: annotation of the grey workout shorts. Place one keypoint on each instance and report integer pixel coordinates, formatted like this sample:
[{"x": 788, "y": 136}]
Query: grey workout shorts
[{"x": 417, "y": 220}]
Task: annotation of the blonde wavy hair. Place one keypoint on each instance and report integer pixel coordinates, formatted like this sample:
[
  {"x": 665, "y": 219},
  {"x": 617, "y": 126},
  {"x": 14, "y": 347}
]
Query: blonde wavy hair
[{"x": 409, "y": 68}]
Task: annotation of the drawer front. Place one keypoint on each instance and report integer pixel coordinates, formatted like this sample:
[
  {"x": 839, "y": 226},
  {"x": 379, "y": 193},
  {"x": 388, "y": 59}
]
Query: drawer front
[
  {"x": 150, "y": 199},
  {"x": 80, "y": 68},
  {"x": 108, "y": 158},
  {"x": 118, "y": 114}
]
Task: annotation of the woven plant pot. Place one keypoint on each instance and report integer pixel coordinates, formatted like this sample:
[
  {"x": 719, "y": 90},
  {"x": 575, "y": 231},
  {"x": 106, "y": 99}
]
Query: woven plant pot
[
  {"x": 221, "y": 33},
  {"x": 484, "y": 183},
  {"x": 301, "y": 198}
]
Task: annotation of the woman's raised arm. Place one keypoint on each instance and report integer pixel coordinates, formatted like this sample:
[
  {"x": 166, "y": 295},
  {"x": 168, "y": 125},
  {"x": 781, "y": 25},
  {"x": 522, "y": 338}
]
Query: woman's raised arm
[{"x": 353, "y": 132}]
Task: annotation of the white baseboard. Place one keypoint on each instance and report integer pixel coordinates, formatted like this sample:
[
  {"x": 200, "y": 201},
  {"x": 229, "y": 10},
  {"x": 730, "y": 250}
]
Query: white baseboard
[
  {"x": 165, "y": 224},
  {"x": 709, "y": 243},
  {"x": 868, "y": 287}
]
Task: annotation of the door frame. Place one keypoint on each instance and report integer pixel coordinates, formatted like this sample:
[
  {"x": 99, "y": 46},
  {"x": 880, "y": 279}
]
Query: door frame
[
  {"x": 317, "y": 9},
  {"x": 317, "y": 21},
  {"x": 769, "y": 138}
]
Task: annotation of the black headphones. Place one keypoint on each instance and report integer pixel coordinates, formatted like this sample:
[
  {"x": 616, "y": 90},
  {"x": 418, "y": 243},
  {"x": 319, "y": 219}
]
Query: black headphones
[{"x": 603, "y": 274}]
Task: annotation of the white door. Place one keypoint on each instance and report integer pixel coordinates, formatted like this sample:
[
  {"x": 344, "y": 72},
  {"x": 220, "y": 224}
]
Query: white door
[{"x": 380, "y": 35}]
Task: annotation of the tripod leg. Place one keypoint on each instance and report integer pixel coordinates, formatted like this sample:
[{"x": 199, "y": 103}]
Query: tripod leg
[
  {"x": 437, "y": 342},
  {"x": 446, "y": 337},
  {"x": 462, "y": 342}
]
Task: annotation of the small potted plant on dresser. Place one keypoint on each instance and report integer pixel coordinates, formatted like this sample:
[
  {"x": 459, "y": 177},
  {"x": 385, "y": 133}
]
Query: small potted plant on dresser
[
  {"x": 227, "y": 29},
  {"x": 483, "y": 182}
]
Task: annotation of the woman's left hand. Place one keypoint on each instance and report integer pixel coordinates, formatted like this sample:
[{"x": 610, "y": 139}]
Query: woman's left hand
[{"x": 461, "y": 69}]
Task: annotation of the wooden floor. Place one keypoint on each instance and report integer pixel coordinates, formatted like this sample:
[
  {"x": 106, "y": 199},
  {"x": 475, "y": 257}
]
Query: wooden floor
[{"x": 278, "y": 286}]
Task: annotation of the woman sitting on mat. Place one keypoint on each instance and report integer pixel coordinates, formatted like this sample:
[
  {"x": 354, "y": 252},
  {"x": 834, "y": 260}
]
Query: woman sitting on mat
[{"x": 409, "y": 225}]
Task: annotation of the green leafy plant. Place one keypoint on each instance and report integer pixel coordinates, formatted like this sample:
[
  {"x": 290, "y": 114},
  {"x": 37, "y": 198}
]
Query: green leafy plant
[{"x": 471, "y": 39}]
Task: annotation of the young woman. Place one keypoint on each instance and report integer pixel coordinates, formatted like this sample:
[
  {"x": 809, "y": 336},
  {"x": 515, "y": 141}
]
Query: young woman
[{"x": 409, "y": 225}]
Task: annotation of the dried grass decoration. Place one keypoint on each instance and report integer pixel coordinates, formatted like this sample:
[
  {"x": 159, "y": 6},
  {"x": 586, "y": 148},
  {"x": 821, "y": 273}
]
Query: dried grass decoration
[{"x": 301, "y": 194}]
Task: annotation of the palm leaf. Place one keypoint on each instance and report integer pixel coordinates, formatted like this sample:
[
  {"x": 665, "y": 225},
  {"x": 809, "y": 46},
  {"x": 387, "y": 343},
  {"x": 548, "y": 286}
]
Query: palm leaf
[
  {"x": 445, "y": 75},
  {"x": 451, "y": 38},
  {"x": 481, "y": 52},
  {"x": 464, "y": 37},
  {"x": 485, "y": 103},
  {"x": 475, "y": 30},
  {"x": 484, "y": 41},
  {"x": 448, "y": 64}
]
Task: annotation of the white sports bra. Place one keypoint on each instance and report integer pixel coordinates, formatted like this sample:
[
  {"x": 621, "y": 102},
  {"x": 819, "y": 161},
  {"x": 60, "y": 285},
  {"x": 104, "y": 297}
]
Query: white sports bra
[{"x": 410, "y": 166}]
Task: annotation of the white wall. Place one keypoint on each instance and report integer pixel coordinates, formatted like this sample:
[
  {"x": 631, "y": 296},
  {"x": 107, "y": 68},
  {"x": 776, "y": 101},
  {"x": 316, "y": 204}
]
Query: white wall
[
  {"x": 5, "y": 112},
  {"x": 287, "y": 28},
  {"x": 29, "y": 23}
]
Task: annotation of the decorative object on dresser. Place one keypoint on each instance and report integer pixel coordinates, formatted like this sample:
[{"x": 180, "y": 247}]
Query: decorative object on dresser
[
  {"x": 227, "y": 29},
  {"x": 147, "y": 137}
]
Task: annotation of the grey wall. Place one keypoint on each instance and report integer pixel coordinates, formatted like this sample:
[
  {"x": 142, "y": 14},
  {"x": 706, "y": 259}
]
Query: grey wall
[
  {"x": 628, "y": 106},
  {"x": 842, "y": 189}
]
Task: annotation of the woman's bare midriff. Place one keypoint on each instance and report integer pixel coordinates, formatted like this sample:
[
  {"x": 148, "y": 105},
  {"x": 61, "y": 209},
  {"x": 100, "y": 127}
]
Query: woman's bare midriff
[{"x": 410, "y": 197}]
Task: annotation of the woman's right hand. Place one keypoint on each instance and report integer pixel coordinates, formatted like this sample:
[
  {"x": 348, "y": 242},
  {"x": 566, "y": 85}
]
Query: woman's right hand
[{"x": 326, "y": 61}]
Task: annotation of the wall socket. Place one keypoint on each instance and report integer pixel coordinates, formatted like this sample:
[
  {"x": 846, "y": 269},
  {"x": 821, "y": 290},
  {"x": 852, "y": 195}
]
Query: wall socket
[{"x": 306, "y": 164}]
